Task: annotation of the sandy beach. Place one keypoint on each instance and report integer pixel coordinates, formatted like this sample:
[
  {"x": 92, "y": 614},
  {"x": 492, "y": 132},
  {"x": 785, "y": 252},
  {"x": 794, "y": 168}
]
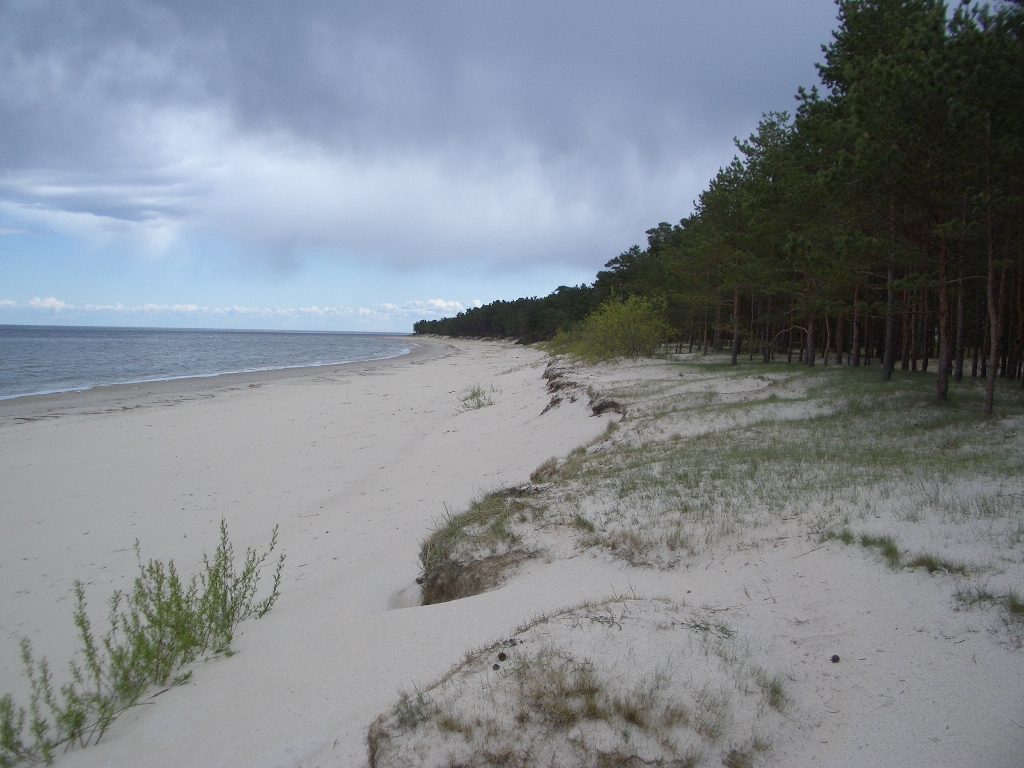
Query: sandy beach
[{"x": 356, "y": 464}]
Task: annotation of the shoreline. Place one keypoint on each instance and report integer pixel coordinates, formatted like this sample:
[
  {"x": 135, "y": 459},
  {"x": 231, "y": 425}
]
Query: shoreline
[{"x": 100, "y": 397}]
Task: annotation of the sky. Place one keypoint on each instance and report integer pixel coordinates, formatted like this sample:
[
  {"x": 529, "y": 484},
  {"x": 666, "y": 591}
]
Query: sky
[{"x": 358, "y": 166}]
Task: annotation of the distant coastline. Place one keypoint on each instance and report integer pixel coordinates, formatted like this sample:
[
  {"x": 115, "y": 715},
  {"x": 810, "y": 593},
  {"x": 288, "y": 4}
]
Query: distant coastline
[{"x": 46, "y": 360}]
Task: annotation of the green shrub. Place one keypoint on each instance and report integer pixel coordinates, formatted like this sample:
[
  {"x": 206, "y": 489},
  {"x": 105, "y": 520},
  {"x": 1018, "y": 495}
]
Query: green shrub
[
  {"x": 634, "y": 328},
  {"x": 154, "y": 630}
]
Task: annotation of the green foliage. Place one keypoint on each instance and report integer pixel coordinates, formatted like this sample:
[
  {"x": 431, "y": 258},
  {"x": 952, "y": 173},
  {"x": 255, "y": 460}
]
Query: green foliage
[
  {"x": 936, "y": 564},
  {"x": 158, "y": 627},
  {"x": 891, "y": 552},
  {"x": 886, "y": 545},
  {"x": 634, "y": 328},
  {"x": 1014, "y": 604}
]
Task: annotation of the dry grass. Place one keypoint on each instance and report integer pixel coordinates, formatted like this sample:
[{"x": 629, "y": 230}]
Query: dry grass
[
  {"x": 709, "y": 456},
  {"x": 468, "y": 553},
  {"x": 708, "y": 459},
  {"x": 559, "y": 692}
]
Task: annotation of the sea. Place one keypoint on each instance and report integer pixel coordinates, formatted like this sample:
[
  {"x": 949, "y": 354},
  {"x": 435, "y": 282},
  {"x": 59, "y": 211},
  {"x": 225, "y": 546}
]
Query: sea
[{"x": 37, "y": 360}]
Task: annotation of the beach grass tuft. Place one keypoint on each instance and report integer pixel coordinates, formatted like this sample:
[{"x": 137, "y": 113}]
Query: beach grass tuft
[
  {"x": 1009, "y": 601},
  {"x": 475, "y": 398},
  {"x": 937, "y": 564},
  {"x": 886, "y": 545}
]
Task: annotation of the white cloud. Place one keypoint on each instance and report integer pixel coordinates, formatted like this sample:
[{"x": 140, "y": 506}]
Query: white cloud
[
  {"x": 284, "y": 197},
  {"x": 149, "y": 237},
  {"x": 458, "y": 139},
  {"x": 153, "y": 309},
  {"x": 384, "y": 315},
  {"x": 445, "y": 305},
  {"x": 278, "y": 197},
  {"x": 148, "y": 308},
  {"x": 49, "y": 303}
]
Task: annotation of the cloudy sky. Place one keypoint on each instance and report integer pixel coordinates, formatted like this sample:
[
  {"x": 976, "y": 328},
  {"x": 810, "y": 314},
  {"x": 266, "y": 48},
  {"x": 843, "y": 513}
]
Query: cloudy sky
[{"x": 361, "y": 165}]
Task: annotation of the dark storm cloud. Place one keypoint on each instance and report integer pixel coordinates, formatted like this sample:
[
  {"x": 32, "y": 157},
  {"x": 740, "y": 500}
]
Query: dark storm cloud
[{"x": 401, "y": 131}]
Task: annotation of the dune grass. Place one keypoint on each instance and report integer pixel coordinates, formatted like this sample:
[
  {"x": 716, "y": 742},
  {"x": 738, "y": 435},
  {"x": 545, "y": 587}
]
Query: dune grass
[
  {"x": 538, "y": 698},
  {"x": 475, "y": 398},
  {"x": 467, "y": 552},
  {"x": 710, "y": 453},
  {"x": 709, "y": 458}
]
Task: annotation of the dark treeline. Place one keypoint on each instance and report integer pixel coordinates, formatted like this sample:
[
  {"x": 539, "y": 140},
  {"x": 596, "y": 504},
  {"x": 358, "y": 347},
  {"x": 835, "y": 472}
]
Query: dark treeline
[
  {"x": 529, "y": 320},
  {"x": 881, "y": 223}
]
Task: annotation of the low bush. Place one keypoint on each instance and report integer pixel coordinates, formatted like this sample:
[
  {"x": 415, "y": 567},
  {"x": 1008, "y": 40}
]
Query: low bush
[
  {"x": 634, "y": 328},
  {"x": 162, "y": 624}
]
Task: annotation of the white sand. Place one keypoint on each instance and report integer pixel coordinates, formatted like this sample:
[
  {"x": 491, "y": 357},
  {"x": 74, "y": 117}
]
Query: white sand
[{"x": 355, "y": 463}]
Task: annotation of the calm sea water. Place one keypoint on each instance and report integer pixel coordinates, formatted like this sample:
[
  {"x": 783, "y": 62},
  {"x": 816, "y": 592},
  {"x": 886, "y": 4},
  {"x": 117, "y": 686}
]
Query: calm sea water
[{"x": 44, "y": 359}]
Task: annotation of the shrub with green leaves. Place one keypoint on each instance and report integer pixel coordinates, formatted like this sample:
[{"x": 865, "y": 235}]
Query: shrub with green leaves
[
  {"x": 154, "y": 630},
  {"x": 634, "y": 328}
]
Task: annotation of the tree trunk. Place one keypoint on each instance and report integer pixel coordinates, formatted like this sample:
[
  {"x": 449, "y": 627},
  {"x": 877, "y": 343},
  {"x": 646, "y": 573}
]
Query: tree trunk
[
  {"x": 735, "y": 326},
  {"x": 925, "y": 331},
  {"x": 810, "y": 352},
  {"x": 905, "y": 333},
  {"x": 915, "y": 333},
  {"x": 995, "y": 305},
  {"x": 866, "y": 357},
  {"x": 840, "y": 340},
  {"x": 704, "y": 344},
  {"x": 945, "y": 355},
  {"x": 717, "y": 330},
  {"x": 889, "y": 349},
  {"x": 855, "y": 344},
  {"x": 828, "y": 342},
  {"x": 961, "y": 320},
  {"x": 1014, "y": 338},
  {"x": 750, "y": 334},
  {"x": 978, "y": 333}
]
